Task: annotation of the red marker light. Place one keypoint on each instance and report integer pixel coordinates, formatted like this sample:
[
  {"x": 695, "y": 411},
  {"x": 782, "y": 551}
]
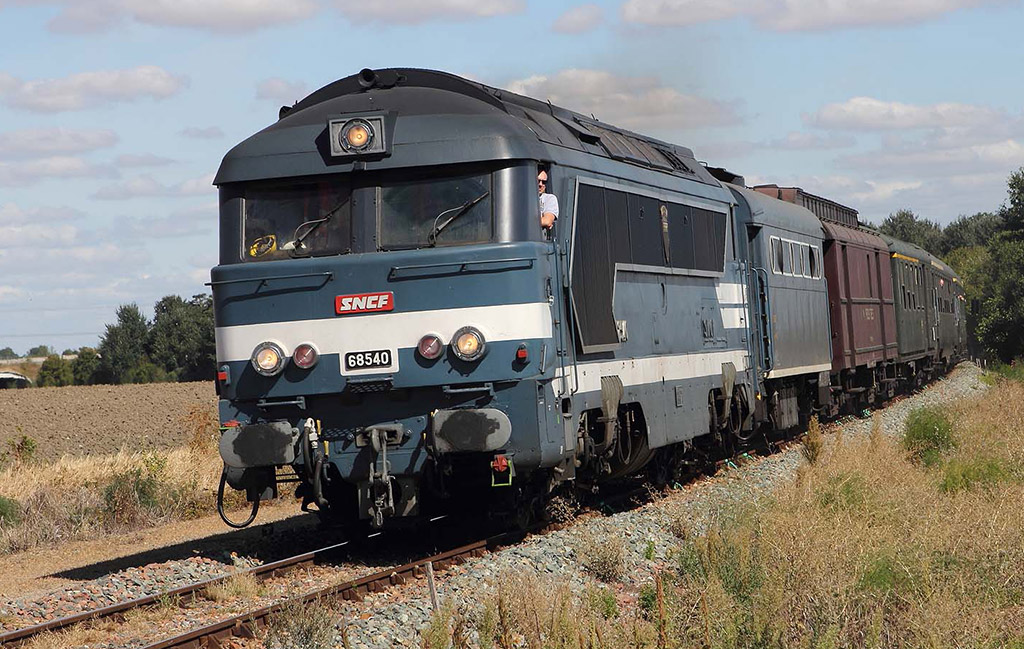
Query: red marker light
[
  {"x": 222, "y": 376},
  {"x": 522, "y": 354},
  {"x": 500, "y": 464},
  {"x": 430, "y": 347}
]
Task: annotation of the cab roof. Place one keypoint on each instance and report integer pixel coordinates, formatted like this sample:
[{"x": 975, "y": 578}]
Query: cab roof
[{"x": 439, "y": 116}]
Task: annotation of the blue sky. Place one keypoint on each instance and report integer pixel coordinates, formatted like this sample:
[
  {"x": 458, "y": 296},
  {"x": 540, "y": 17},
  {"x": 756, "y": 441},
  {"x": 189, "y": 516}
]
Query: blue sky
[{"x": 114, "y": 114}]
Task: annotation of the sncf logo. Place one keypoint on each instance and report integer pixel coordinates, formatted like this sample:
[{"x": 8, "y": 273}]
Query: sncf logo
[{"x": 364, "y": 303}]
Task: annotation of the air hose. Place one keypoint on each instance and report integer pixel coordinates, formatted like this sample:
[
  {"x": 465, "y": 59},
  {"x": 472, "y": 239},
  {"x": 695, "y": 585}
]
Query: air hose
[{"x": 220, "y": 505}]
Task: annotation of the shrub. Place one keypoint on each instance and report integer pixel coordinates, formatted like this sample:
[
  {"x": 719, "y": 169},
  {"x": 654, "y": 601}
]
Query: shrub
[
  {"x": 813, "y": 443},
  {"x": 649, "y": 551},
  {"x": 964, "y": 475},
  {"x": 928, "y": 434},
  {"x": 131, "y": 499},
  {"x": 603, "y": 556},
  {"x": 10, "y": 511},
  {"x": 54, "y": 372}
]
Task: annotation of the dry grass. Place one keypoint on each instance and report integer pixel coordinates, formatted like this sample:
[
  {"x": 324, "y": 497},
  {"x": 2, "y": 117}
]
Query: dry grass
[
  {"x": 870, "y": 548},
  {"x": 527, "y": 612},
  {"x": 603, "y": 555},
  {"x": 301, "y": 626},
  {"x": 239, "y": 585},
  {"x": 77, "y": 497}
]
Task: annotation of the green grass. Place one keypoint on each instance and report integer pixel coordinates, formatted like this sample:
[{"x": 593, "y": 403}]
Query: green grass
[
  {"x": 973, "y": 473},
  {"x": 928, "y": 433}
]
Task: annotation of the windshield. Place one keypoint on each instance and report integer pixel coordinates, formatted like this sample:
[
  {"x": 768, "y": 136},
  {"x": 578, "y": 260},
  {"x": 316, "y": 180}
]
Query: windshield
[
  {"x": 297, "y": 221},
  {"x": 410, "y": 211}
]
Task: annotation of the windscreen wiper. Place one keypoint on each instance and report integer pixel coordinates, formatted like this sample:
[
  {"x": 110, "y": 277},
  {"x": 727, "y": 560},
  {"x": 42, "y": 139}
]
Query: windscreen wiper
[
  {"x": 459, "y": 211},
  {"x": 296, "y": 244}
]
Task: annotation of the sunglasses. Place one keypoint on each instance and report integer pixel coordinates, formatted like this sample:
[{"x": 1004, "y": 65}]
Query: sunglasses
[{"x": 541, "y": 182}]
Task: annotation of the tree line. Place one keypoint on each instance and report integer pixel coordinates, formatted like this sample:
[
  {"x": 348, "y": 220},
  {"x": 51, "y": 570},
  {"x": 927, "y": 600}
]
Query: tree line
[
  {"x": 987, "y": 251},
  {"x": 177, "y": 345}
]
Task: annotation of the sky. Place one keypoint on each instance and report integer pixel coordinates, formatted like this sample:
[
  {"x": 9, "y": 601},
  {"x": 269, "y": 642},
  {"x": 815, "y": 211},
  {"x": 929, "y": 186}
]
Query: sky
[{"x": 115, "y": 114}]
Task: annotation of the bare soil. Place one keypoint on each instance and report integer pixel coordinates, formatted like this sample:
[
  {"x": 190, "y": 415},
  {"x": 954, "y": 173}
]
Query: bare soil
[{"x": 101, "y": 419}]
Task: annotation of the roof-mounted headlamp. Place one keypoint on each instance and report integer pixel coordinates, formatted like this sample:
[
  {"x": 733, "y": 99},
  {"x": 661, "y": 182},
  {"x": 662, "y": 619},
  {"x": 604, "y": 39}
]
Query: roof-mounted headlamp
[{"x": 357, "y": 136}]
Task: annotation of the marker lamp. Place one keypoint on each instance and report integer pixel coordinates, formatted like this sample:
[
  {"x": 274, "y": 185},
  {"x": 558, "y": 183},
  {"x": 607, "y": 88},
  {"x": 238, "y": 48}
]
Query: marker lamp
[
  {"x": 305, "y": 356},
  {"x": 357, "y": 135}
]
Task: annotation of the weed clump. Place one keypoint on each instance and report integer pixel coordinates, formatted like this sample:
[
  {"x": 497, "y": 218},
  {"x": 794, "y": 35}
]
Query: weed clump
[
  {"x": 10, "y": 511},
  {"x": 928, "y": 433},
  {"x": 814, "y": 442},
  {"x": 843, "y": 492},
  {"x": 603, "y": 556},
  {"x": 301, "y": 626}
]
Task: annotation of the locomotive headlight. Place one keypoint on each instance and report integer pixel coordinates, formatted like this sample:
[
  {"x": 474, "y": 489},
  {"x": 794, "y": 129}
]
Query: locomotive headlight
[
  {"x": 468, "y": 344},
  {"x": 305, "y": 356},
  {"x": 357, "y": 135},
  {"x": 268, "y": 358}
]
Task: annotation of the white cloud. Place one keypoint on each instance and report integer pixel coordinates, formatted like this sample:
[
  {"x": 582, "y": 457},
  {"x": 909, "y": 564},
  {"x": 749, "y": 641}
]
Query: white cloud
[
  {"x": 868, "y": 113},
  {"x": 578, "y": 20},
  {"x": 142, "y": 160},
  {"x": 281, "y": 90},
  {"x": 37, "y": 142},
  {"x": 147, "y": 186},
  {"x": 23, "y": 173},
  {"x": 794, "y": 15},
  {"x": 198, "y": 220},
  {"x": 799, "y": 141},
  {"x": 207, "y": 133},
  {"x": 12, "y": 214},
  {"x": 79, "y": 16},
  {"x": 420, "y": 11},
  {"x": 926, "y": 160},
  {"x": 641, "y": 103},
  {"x": 91, "y": 89}
]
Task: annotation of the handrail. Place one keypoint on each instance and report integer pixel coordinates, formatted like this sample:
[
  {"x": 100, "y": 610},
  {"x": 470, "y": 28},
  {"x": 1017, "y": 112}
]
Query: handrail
[
  {"x": 765, "y": 308},
  {"x": 464, "y": 266},
  {"x": 328, "y": 274}
]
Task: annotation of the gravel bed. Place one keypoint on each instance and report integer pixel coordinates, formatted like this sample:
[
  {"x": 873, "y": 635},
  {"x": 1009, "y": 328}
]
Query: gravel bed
[
  {"x": 397, "y": 617},
  {"x": 122, "y": 586}
]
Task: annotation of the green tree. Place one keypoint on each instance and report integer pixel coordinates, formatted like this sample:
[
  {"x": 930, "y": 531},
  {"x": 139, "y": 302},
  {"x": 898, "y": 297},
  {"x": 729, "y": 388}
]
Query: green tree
[
  {"x": 123, "y": 345},
  {"x": 36, "y": 352},
  {"x": 1002, "y": 301},
  {"x": 147, "y": 372},
  {"x": 970, "y": 231},
  {"x": 55, "y": 371},
  {"x": 181, "y": 339},
  {"x": 86, "y": 367},
  {"x": 907, "y": 226},
  {"x": 1012, "y": 212},
  {"x": 7, "y": 354}
]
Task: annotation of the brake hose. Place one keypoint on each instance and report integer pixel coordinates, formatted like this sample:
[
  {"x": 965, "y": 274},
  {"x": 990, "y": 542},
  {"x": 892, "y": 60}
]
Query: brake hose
[{"x": 220, "y": 506}]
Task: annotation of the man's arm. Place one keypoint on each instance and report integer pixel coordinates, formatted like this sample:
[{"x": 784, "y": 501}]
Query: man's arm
[{"x": 548, "y": 210}]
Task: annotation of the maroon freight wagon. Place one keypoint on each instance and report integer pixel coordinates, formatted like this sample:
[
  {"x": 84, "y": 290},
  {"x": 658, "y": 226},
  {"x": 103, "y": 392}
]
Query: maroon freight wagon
[{"x": 860, "y": 294}]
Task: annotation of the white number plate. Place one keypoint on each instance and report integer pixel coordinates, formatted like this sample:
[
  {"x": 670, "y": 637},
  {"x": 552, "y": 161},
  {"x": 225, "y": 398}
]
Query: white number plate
[{"x": 375, "y": 359}]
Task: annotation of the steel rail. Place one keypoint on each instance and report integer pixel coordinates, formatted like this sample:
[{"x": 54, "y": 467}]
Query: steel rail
[
  {"x": 20, "y": 636},
  {"x": 246, "y": 624}
]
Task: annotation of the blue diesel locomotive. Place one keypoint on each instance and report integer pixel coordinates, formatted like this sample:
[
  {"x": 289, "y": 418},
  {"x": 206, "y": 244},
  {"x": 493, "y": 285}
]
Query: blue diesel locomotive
[{"x": 397, "y": 333}]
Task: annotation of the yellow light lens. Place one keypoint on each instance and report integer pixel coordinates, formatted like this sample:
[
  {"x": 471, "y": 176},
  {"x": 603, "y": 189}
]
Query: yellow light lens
[
  {"x": 468, "y": 344},
  {"x": 268, "y": 359},
  {"x": 357, "y": 136}
]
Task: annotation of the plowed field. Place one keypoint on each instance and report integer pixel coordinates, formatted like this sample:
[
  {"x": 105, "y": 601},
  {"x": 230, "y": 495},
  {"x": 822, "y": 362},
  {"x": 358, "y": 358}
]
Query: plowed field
[{"x": 100, "y": 419}]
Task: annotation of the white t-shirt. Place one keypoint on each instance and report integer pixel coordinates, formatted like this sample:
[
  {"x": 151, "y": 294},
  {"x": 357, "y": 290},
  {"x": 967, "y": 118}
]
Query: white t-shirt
[{"x": 549, "y": 203}]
